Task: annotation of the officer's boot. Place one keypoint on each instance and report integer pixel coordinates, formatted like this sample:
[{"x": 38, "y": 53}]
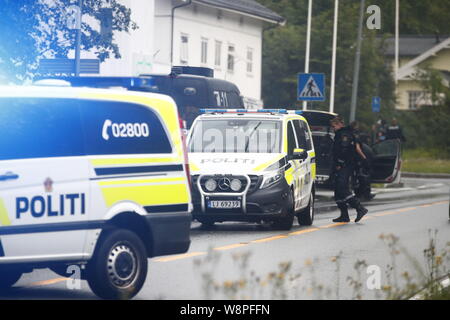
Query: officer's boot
[
  {"x": 344, "y": 213},
  {"x": 361, "y": 211}
]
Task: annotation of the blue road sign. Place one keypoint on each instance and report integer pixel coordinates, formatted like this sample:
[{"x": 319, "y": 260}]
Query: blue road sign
[
  {"x": 311, "y": 87},
  {"x": 376, "y": 104}
]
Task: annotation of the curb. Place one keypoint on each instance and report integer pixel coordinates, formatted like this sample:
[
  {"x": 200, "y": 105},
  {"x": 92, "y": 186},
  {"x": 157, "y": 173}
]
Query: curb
[{"x": 425, "y": 175}]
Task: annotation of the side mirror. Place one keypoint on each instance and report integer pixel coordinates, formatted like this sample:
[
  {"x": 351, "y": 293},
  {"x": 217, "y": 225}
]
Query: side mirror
[{"x": 299, "y": 154}]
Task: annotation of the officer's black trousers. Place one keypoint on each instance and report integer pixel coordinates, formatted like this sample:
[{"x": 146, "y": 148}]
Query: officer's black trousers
[{"x": 342, "y": 192}]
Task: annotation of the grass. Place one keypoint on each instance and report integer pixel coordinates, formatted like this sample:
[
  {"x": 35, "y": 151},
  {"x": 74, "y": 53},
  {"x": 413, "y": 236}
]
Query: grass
[{"x": 425, "y": 161}]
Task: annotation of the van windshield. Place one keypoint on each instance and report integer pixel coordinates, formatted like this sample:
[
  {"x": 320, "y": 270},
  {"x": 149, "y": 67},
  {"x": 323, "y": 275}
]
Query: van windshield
[{"x": 236, "y": 135}]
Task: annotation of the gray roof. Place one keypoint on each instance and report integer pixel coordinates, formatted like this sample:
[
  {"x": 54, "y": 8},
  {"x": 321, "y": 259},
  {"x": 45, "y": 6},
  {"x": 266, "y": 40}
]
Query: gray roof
[
  {"x": 250, "y": 7},
  {"x": 412, "y": 46}
]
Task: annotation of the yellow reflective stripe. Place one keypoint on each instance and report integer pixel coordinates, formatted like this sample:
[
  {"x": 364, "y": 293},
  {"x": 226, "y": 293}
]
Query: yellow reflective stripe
[
  {"x": 4, "y": 218},
  {"x": 268, "y": 163},
  {"x": 147, "y": 195},
  {"x": 312, "y": 154},
  {"x": 139, "y": 181},
  {"x": 288, "y": 175},
  {"x": 113, "y": 161},
  {"x": 193, "y": 167}
]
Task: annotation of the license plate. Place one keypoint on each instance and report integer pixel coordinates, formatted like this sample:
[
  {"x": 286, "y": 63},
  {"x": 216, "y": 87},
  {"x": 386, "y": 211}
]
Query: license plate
[{"x": 224, "y": 204}]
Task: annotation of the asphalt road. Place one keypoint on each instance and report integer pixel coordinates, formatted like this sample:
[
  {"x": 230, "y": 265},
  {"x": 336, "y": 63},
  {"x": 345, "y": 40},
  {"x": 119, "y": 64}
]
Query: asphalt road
[{"x": 323, "y": 261}]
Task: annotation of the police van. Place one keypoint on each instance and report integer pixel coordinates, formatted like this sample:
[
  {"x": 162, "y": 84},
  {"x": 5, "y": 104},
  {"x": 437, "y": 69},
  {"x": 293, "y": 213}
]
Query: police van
[
  {"x": 256, "y": 166},
  {"x": 91, "y": 177}
]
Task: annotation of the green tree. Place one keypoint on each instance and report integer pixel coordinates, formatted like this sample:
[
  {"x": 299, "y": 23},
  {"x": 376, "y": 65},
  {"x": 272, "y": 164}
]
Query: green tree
[
  {"x": 284, "y": 52},
  {"x": 34, "y": 29}
]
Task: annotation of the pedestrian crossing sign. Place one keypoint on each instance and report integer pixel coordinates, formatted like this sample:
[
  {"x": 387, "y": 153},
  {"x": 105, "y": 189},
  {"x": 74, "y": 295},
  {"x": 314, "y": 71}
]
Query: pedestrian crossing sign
[{"x": 311, "y": 87}]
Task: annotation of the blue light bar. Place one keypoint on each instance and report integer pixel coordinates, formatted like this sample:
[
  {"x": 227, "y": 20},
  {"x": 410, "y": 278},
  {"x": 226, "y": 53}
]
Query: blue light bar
[
  {"x": 243, "y": 111},
  {"x": 299, "y": 112},
  {"x": 272, "y": 110}
]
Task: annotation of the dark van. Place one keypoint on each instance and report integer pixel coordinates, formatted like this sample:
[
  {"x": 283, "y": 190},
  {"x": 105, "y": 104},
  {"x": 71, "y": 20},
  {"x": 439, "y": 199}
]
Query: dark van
[{"x": 194, "y": 88}]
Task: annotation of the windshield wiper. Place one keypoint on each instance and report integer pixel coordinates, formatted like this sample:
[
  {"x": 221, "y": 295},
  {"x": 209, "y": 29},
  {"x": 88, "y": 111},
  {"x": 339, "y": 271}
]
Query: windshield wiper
[{"x": 250, "y": 135}]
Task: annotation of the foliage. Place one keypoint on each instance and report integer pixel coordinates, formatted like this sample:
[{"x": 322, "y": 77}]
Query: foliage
[
  {"x": 284, "y": 52},
  {"x": 33, "y": 29}
]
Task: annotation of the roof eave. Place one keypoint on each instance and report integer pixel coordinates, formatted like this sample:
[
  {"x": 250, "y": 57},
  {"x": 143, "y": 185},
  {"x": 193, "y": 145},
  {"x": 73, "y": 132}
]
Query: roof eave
[{"x": 280, "y": 21}]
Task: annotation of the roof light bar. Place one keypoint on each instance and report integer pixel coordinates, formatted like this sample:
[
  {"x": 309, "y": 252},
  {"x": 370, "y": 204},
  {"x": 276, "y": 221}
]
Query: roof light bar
[
  {"x": 243, "y": 111},
  {"x": 299, "y": 112}
]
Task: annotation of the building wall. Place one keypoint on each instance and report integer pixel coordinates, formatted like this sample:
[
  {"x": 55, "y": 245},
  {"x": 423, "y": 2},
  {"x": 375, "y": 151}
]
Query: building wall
[
  {"x": 201, "y": 23},
  {"x": 136, "y": 47},
  {"x": 147, "y": 49},
  {"x": 441, "y": 61}
]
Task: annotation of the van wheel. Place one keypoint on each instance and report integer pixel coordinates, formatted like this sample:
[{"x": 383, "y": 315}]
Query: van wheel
[
  {"x": 206, "y": 223},
  {"x": 119, "y": 267},
  {"x": 306, "y": 216},
  {"x": 287, "y": 220},
  {"x": 9, "y": 277}
]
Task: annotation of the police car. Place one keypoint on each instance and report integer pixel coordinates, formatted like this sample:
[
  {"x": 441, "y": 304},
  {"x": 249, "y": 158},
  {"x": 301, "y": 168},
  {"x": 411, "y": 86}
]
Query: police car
[
  {"x": 90, "y": 177},
  {"x": 252, "y": 166}
]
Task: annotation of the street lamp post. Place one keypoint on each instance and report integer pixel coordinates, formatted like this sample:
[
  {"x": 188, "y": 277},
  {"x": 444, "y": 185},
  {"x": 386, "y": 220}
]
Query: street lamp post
[
  {"x": 78, "y": 38},
  {"x": 357, "y": 64},
  {"x": 333, "y": 60},
  {"x": 308, "y": 43}
]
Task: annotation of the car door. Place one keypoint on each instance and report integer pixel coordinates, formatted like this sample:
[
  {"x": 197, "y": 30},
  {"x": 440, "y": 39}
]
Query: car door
[
  {"x": 386, "y": 161},
  {"x": 296, "y": 165},
  {"x": 43, "y": 180},
  {"x": 304, "y": 142}
]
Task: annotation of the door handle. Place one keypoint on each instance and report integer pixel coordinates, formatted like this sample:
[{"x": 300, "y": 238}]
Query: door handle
[{"x": 9, "y": 176}]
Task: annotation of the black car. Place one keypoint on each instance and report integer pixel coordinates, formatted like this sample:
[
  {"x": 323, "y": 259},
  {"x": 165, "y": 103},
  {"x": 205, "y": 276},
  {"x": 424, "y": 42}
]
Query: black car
[{"x": 386, "y": 156}]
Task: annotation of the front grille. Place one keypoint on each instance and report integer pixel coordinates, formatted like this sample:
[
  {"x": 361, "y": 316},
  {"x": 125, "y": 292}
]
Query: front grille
[{"x": 223, "y": 183}]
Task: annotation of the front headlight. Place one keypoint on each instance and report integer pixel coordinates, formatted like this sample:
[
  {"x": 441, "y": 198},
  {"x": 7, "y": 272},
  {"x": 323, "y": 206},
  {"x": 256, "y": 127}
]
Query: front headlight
[
  {"x": 211, "y": 185},
  {"x": 272, "y": 178},
  {"x": 236, "y": 185}
]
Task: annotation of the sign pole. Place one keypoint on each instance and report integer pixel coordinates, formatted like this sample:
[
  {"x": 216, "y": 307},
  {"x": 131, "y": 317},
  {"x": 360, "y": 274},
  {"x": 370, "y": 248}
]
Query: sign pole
[
  {"x": 333, "y": 60},
  {"x": 78, "y": 39},
  {"x": 308, "y": 42},
  {"x": 357, "y": 64}
]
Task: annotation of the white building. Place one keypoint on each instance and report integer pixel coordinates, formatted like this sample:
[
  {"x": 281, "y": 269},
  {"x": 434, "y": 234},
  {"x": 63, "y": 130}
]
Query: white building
[{"x": 225, "y": 35}]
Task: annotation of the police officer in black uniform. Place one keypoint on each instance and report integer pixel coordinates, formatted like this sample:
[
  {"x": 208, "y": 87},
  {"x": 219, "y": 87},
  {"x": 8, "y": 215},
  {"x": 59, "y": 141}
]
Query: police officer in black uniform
[{"x": 345, "y": 152}]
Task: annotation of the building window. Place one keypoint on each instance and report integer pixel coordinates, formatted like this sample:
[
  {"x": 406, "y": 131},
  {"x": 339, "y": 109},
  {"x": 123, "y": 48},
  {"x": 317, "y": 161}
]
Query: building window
[
  {"x": 249, "y": 60},
  {"x": 414, "y": 99},
  {"x": 218, "y": 54},
  {"x": 204, "y": 56},
  {"x": 184, "y": 49},
  {"x": 230, "y": 62}
]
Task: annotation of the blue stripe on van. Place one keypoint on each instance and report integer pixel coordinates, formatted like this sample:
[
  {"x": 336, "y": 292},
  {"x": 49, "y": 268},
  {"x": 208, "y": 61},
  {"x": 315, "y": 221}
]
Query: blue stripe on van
[
  {"x": 141, "y": 169},
  {"x": 53, "y": 227}
]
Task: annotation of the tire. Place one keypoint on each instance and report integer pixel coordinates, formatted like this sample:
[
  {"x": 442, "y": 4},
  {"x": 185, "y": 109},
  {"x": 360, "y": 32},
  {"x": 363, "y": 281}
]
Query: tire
[
  {"x": 287, "y": 220},
  {"x": 119, "y": 267},
  {"x": 206, "y": 222},
  {"x": 306, "y": 216},
  {"x": 8, "y": 277}
]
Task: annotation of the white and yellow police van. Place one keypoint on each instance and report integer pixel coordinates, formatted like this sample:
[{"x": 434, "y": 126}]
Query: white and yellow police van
[
  {"x": 252, "y": 166},
  {"x": 91, "y": 177}
]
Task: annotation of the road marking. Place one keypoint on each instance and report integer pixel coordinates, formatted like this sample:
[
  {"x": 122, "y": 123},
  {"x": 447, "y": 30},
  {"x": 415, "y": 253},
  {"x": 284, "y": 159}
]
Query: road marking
[
  {"x": 281, "y": 236},
  {"x": 180, "y": 256},
  {"x": 302, "y": 231},
  {"x": 336, "y": 224},
  {"x": 47, "y": 282},
  {"x": 231, "y": 246}
]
